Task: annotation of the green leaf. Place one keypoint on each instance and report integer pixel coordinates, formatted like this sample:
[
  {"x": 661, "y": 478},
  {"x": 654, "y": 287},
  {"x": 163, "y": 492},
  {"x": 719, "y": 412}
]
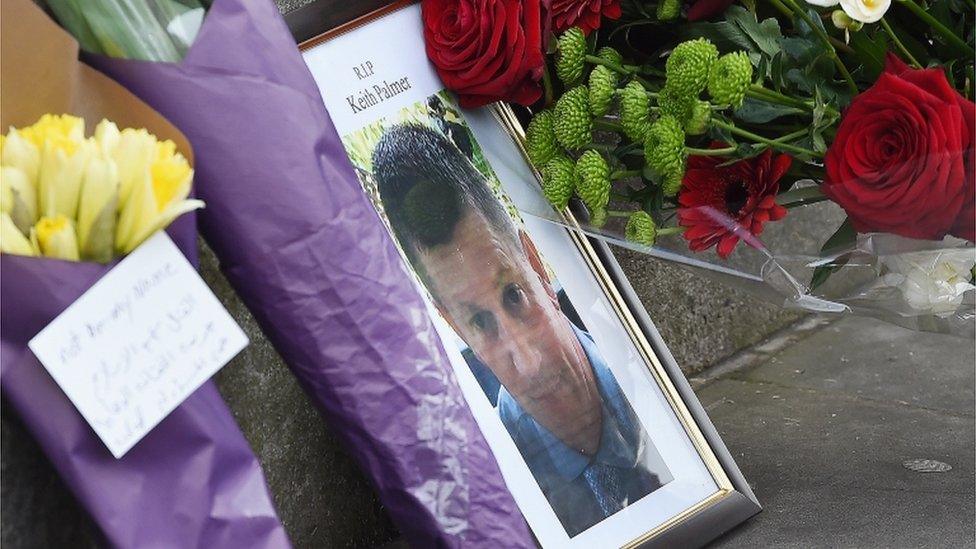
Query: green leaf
[
  {"x": 870, "y": 51},
  {"x": 760, "y": 112},
  {"x": 916, "y": 47},
  {"x": 843, "y": 238},
  {"x": 800, "y": 48},
  {"x": 725, "y": 35},
  {"x": 765, "y": 35}
]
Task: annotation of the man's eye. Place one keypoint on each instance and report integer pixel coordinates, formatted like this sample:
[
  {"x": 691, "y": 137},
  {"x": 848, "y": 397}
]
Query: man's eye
[{"x": 513, "y": 296}]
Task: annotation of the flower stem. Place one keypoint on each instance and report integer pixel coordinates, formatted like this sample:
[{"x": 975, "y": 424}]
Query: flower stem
[
  {"x": 818, "y": 30},
  {"x": 692, "y": 151},
  {"x": 624, "y": 174},
  {"x": 607, "y": 125},
  {"x": 792, "y": 136},
  {"x": 651, "y": 71},
  {"x": 760, "y": 139},
  {"x": 620, "y": 196},
  {"x": 894, "y": 38},
  {"x": 801, "y": 197},
  {"x": 665, "y": 231},
  {"x": 601, "y": 147},
  {"x": 608, "y": 64},
  {"x": 618, "y": 213},
  {"x": 941, "y": 29},
  {"x": 770, "y": 96},
  {"x": 628, "y": 148},
  {"x": 782, "y": 8}
]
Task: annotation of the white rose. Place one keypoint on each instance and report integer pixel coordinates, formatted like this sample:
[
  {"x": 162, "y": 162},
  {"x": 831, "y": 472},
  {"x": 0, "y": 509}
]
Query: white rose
[{"x": 932, "y": 282}]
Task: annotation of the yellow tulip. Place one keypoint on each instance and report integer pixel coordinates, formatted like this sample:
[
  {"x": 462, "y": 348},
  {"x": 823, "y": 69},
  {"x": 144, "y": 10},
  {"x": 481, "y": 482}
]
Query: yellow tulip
[
  {"x": 156, "y": 198},
  {"x": 97, "y": 209},
  {"x": 133, "y": 155},
  {"x": 18, "y": 198},
  {"x": 56, "y": 238},
  {"x": 22, "y": 154},
  {"x": 12, "y": 241}
]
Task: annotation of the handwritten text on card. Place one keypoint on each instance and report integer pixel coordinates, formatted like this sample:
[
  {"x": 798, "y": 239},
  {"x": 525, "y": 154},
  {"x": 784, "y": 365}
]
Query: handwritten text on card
[{"x": 137, "y": 343}]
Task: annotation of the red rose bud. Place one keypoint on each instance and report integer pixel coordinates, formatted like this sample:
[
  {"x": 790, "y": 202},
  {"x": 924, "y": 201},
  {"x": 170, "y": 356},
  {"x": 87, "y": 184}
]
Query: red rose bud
[
  {"x": 585, "y": 14},
  {"x": 488, "y": 50},
  {"x": 902, "y": 160},
  {"x": 706, "y": 9}
]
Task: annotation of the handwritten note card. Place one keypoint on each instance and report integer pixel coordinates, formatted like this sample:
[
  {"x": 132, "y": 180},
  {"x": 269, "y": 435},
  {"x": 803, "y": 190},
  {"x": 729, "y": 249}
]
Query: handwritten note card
[{"x": 138, "y": 342}]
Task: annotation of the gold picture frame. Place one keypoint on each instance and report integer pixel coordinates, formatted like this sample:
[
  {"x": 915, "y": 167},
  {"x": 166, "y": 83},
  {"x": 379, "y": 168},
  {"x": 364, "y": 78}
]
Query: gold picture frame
[{"x": 733, "y": 501}]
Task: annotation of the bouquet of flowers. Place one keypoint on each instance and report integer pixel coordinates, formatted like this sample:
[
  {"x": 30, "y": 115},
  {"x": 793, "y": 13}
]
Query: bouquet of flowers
[
  {"x": 153, "y": 30},
  {"x": 320, "y": 271},
  {"x": 70, "y": 205},
  {"x": 836, "y": 142},
  {"x": 69, "y": 197}
]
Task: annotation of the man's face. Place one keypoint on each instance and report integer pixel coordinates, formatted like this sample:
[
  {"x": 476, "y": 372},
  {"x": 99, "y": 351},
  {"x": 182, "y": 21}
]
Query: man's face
[{"x": 495, "y": 293}]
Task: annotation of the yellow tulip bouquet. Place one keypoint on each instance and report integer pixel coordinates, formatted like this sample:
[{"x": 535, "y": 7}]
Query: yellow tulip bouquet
[{"x": 67, "y": 196}]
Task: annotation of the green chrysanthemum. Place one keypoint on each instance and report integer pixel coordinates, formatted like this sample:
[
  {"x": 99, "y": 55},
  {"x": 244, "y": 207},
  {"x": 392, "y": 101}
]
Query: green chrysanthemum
[
  {"x": 641, "y": 228},
  {"x": 672, "y": 183},
  {"x": 634, "y": 111},
  {"x": 609, "y": 54},
  {"x": 701, "y": 115},
  {"x": 668, "y": 10},
  {"x": 603, "y": 82},
  {"x": 688, "y": 66},
  {"x": 540, "y": 141},
  {"x": 675, "y": 103},
  {"x": 664, "y": 147},
  {"x": 730, "y": 78},
  {"x": 573, "y": 125},
  {"x": 598, "y": 218},
  {"x": 593, "y": 180},
  {"x": 570, "y": 54},
  {"x": 559, "y": 180}
]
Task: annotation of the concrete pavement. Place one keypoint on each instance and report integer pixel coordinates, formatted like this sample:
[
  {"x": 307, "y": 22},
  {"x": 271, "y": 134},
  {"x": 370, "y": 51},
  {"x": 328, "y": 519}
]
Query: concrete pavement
[{"x": 842, "y": 432}]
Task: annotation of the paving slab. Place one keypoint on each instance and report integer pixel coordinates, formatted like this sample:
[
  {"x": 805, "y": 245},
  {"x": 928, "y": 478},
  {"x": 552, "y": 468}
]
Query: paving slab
[
  {"x": 871, "y": 359},
  {"x": 824, "y": 441}
]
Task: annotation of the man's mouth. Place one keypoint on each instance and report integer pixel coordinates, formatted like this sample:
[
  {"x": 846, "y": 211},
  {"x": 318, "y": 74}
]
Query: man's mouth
[{"x": 543, "y": 387}]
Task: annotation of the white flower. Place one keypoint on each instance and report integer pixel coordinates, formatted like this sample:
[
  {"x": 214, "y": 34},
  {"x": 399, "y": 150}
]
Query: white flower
[
  {"x": 865, "y": 11},
  {"x": 933, "y": 281}
]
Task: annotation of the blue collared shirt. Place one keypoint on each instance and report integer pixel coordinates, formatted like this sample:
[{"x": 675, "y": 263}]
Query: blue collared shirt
[{"x": 583, "y": 490}]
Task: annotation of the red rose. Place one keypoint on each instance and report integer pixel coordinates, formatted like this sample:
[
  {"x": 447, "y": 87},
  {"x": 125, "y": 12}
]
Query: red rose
[
  {"x": 902, "y": 160},
  {"x": 719, "y": 205},
  {"x": 486, "y": 50},
  {"x": 706, "y": 9},
  {"x": 584, "y": 14}
]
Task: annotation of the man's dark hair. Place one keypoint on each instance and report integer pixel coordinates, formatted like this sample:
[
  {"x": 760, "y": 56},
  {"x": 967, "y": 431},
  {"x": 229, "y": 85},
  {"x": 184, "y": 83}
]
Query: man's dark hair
[{"x": 425, "y": 184}]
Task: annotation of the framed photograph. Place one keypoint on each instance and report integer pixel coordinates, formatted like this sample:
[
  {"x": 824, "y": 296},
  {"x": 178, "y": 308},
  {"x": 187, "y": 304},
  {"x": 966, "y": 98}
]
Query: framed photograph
[{"x": 600, "y": 439}]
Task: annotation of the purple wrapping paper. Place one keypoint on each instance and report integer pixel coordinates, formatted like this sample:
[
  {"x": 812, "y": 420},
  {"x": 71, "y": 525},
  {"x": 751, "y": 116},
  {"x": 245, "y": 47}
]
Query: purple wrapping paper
[
  {"x": 193, "y": 481},
  {"x": 300, "y": 242}
]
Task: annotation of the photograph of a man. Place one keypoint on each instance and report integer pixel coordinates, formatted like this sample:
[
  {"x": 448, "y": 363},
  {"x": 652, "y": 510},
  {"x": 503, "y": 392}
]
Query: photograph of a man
[{"x": 558, "y": 398}]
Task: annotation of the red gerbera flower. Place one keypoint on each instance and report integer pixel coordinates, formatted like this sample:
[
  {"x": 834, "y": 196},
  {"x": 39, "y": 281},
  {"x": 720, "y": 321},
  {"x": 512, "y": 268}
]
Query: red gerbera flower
[
  {"x": 584, "y": 14},
  {"x": 721, "y": 204}
]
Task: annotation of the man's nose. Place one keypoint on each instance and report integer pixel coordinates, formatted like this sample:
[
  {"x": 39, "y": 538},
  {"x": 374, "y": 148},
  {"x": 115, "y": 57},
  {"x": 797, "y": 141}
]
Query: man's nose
[{"x": 523, "y": 349}]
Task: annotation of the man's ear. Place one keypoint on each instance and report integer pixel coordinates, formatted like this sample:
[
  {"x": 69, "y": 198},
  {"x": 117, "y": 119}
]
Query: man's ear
[{"x": 535, "y": 260}]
